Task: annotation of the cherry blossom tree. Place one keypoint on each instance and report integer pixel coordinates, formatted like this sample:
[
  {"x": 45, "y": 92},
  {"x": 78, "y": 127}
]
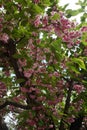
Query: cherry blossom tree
[{"x": 43, "y": 65}]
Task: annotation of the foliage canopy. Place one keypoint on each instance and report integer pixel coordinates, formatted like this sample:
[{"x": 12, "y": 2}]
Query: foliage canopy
[{"x": 43, "y": 61}]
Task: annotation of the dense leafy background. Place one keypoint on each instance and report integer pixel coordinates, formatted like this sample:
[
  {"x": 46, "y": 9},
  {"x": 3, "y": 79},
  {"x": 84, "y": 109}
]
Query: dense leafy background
[{"x": 43, "y": 61}]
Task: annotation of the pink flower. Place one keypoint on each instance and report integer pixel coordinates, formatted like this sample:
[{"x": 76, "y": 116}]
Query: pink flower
[
  {"x": 37, "y": 21},
  {"x": 31, "y": 122},
  {"x": 65, "y": 23},
  {"x": 41, "y": 98},
  {"x": 70, "y": 120},
  {"x": 22, "y": 62},
  {"x": 51, "y": 126},
  {"x": 35, "y": 65},
  {"x": 24, "y": 90},
  {"x": 45, "y": 20},
  {"x": 84, "y": 29},
  {"x": 4, "y": 37},
  {"x": 28, "y": 73},
  {"x": 38, "y": 41},
  {"x": 56, "y": 74},
  {"x": 78, "y": 88},
  {"x": 50, "y": 102},
  {"x": 66, "y": 38},
  {"x": 31, "y": 41},
  {"x": 7, "y": 73},
  {"x": 78, "y": 41},
  {"x": 70, "y": 45}
]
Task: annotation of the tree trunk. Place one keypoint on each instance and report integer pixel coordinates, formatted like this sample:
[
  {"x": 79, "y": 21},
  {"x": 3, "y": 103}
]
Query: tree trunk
[{"x": 67, "y": 105}]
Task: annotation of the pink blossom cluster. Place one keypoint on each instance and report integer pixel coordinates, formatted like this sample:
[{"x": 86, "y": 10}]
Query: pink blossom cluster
[
  {"x": 78, "y": 88},
  {"x": 68, "y": 32},
  {"x": 37, "y": 21},
  {"x": 45, "y": 21},
  {"x": 4, "y": 37},
  {"x": 28, "y": 73},
  {"x": 62, "y": 27},
  {"x": 71, "y": 36},
  {"x": 20, "y": 98},
  {"x": 84, "y": 29}
]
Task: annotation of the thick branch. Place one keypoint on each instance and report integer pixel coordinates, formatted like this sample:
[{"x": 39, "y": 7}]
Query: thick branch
[
  {"x": 67, "y": 105},
  {"x": 11, "y": 47},
  {"x": 11, "y": 50},
  {"x": 15, "y": 104}
]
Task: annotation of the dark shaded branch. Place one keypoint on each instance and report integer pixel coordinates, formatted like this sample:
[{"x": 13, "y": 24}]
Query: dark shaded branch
[
  {"x": 11, "y": 49},
  {"x": 19, "y": 40},
  {"x": 67, "y": 105},
  {"x": 76, "y": 125},
  {"x": 15, "y": 104}
]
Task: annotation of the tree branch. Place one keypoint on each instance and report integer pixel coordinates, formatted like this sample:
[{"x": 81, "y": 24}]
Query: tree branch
[
  {"x": 11, "y": 50},
  {"x": 20, "y": 40},
  {"x": 67, "y": 105},
  {"x": 15, "y": 104}
]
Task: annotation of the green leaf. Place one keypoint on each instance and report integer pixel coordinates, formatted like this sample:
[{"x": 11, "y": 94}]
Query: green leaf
[
  {"x": 72, "y": 68},
  {"x": 65, "y": 6},
  {"x": 71, "y": 12},
  {"x": 36, "y": 9},
  {"x": 84, "y": 39},
  {"x": 56, "y": 16},
  {"x": 20, "y": 80},
  {"x": 46, "y": 2},
  {"x": 80, "y": 62},
  {"x": 17, "y": 56}
]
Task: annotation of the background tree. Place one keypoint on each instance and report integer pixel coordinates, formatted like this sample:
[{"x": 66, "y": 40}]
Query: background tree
[{"x": 43, "y": 65}]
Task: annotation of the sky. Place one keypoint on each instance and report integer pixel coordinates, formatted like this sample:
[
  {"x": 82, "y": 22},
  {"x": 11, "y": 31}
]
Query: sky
[
  {"x": 73, "y": 6},
  {"x": 71, "y": 3}
]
